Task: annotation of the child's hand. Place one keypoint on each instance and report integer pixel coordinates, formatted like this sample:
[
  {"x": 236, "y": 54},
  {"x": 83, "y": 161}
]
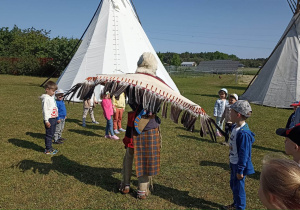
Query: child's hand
[
  {"x": 240, "y": 176},
  {"x": 66, "y": 117},
  {"x": 48, "y": 125},
  {"x": 58, "y": 121}
]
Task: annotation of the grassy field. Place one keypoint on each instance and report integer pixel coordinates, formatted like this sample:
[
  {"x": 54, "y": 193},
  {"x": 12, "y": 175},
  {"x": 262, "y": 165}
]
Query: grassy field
[{"x": 87, "y": 170}]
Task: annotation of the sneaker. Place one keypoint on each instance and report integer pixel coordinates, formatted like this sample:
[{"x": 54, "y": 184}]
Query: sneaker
[
  {"x": 116, "y": 131},
  {"x": 225, "y": 143},
  {"x": 51, "y": 151},
  {"x": 83, "y": 125},
  {"x": 122, "y": 130},
  {"x": 62, "y": 139},
  {"x": 218, "y": 134},
  {"x": 114, "y": 137},
  {"x": 229, "y": 207},
  {"x": 107, "y": 136},
  {"x": 95, "y": 122},
  {"x": 58, "y": 142}
]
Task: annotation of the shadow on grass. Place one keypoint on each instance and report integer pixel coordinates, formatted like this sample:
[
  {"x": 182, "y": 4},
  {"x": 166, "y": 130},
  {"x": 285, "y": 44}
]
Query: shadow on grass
[
  {"x": 184, "y": 129},
  {"x": 182, "y": 198},
  {"x": 84, "y": 132},
  {"x": 267, "y": 149},
  {"x": 197, "y": 138},
  {"x": 36, "y": 135},
  {"x": 26, "y": 144},
  {"x": 88, "y": 124},
  {"x": 101, "y": 177},
  {"x": 225, "y": 166}
]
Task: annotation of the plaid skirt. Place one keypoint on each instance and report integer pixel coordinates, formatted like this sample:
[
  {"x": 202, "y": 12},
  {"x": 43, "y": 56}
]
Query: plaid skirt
[{"x": 147, "y": 152}]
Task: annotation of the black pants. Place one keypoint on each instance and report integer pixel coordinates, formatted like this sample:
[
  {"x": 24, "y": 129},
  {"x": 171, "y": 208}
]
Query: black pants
[{"x": 50, "y": 133}]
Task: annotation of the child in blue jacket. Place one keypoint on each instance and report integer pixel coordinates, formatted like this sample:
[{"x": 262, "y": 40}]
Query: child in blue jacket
[
  {"x": 240, "y": 146},
  {"x": 62, "y": 115}
]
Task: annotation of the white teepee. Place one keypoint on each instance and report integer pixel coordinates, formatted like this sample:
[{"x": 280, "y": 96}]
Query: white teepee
[
  {"x": 112, "y": 44},
  {"x": 278, "y": 81}
]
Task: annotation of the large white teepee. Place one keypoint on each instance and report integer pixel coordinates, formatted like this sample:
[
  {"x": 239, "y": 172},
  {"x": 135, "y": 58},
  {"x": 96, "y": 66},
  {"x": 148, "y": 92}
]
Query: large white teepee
[
  {"x": 112, "y": 44},
  {"x": 278, "y": 81}
]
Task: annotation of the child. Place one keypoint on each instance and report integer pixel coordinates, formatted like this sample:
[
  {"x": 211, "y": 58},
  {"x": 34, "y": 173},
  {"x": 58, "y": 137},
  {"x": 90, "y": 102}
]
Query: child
[
  {"x": 50, "y": 113},
  {"x": 240, "y": 146},
  {"x": 291, "y": 121},
  {"x": 119, "y": 107},
  {"x": 88, "y": 106},
  {"x": 292, "y": 141},
  {"x": 226, "y": 115},
  {"x": 220, "y": 107},
  {"x": 280, "y": 184},
  {"x": 62, "y": 115},
  {"x": 108, "y": 113}
]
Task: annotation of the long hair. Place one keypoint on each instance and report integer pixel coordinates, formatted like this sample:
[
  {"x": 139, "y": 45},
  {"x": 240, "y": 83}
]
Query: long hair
[{"x": 281, "y": 178}]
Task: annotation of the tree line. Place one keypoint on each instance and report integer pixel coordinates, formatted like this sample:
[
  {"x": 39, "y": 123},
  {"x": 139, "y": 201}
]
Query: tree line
[
  {"x": 32, "y": 52},
  {"x": 170, "y": 58}
]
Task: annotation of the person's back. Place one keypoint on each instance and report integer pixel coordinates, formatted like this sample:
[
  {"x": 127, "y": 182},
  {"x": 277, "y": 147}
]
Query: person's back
[{"x": 240, "y": 146}]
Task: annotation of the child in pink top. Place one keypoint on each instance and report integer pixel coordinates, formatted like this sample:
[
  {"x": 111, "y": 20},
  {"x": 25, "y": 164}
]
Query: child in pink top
[{"x": 108, "y": 112}]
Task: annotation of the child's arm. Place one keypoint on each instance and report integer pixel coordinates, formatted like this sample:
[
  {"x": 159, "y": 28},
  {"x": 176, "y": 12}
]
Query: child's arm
[
  {"x": 46, "y": 113},
  {"x": 245, "y": 144}
]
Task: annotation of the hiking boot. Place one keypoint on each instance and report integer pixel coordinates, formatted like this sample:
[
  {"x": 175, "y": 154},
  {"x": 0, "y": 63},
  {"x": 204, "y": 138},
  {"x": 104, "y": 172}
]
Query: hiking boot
[
  {"x": 122, "y": 130},
  {"x": 116, "y": 131},
  {"x": 51, "y": 151},
  {"x": 114, "y": 137},
  {"x": 229, "y": 207}
]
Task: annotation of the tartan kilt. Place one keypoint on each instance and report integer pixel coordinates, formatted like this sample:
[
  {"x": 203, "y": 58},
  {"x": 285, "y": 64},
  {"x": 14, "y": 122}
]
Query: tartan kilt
[{"x": 147, "y": 152}]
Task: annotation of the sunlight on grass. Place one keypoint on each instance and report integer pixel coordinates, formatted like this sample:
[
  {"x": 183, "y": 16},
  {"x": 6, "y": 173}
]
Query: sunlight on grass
[{"x": 87, "y": 170}]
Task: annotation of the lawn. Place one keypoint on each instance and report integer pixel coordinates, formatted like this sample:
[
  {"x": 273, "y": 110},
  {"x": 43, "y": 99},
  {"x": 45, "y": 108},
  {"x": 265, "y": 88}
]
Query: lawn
[{"x": 87, "y": 170}]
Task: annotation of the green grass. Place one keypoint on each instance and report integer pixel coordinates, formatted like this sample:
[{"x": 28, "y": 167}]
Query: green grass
[{"x": 87, "y": 170}]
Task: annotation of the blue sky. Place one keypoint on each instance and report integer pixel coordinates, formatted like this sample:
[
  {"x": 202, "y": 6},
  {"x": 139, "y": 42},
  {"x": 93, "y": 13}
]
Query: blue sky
[{"x": 245, "y": 28}]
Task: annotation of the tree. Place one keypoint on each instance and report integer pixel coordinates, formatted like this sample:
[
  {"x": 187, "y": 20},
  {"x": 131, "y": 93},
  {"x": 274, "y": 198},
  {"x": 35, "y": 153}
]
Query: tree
[{"x": 175, "y": 60}]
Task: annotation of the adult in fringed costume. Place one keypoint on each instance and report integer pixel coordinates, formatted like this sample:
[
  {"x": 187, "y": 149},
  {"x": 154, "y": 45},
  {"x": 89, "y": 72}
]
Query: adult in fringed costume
[
  {"x": 142, "y": 139},
  {"x": 146, "y": 95}
]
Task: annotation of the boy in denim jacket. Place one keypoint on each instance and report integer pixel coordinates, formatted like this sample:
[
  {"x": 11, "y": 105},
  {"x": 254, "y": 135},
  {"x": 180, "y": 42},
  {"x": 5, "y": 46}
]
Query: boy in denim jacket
[{"x": 240, "y": 146}]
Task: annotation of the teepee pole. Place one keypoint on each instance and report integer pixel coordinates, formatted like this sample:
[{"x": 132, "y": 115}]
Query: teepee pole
[
  {"x": 280, "y": 41},
  {"x": 135, "y": 11},
  {"x": 74, "y": 47}
]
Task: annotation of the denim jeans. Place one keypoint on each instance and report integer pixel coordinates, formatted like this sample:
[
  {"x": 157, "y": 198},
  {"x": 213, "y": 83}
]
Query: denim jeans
[{"x": 109, "y": 127}]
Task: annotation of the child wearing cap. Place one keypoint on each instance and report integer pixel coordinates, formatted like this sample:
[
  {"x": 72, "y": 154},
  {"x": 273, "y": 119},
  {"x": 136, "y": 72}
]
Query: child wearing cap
[
  {"x": 220, "y": 107},
  {"x": 240, "y": 146},
  {"x": 226, "y": 115},
  {"x": 292, "y": 141},
  {"x": 61, "y": 118},
  {"x": 291, "y": 121},
  {"x": 108, "y": 111},
  {"x": 50, "y": 112}
]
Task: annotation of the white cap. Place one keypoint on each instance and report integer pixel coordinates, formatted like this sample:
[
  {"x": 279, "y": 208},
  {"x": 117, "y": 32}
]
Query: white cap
[
  {"x": 234, "y": 95},
  {"x": 59, "y": 91}
]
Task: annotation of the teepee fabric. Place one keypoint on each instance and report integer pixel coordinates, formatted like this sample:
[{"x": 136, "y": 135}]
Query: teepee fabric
[
  {"x": 112, "y": 44},
  {"x": 278, "y": 82}
]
